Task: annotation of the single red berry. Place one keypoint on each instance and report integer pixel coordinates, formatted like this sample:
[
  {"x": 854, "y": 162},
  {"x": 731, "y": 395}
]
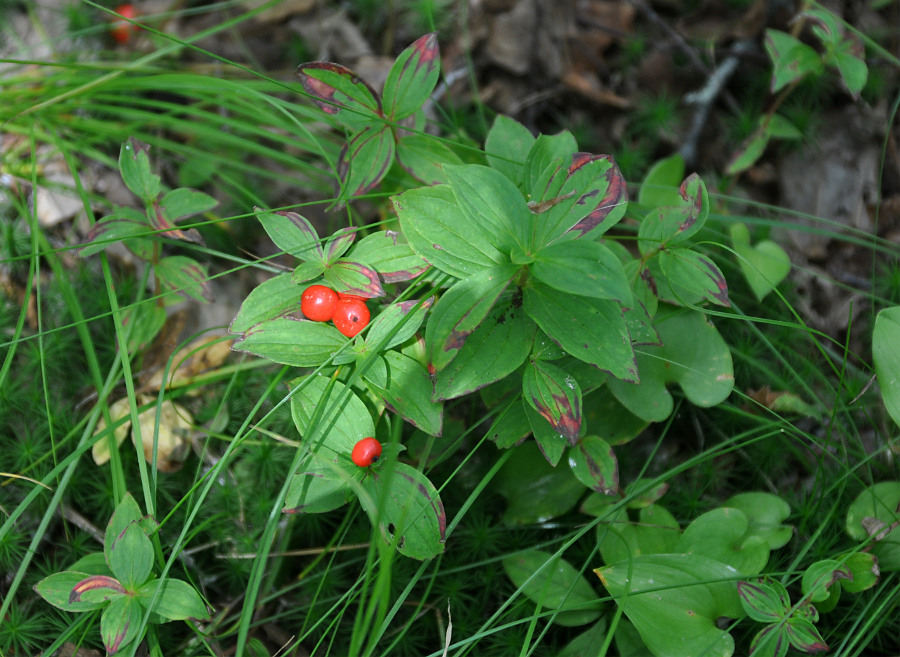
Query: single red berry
[
  {"x": 366, "y": 452},
  {"x": 350, "y": 316},
  {"x": 121, "y": 30},
  {"x": 318, "y": 303}
]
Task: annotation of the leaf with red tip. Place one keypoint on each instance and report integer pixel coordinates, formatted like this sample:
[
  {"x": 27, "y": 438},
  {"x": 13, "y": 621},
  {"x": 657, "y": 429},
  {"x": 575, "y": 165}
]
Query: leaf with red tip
[
  {"x": 412, "y": 78},
  {"x": 594, "y": 464},
  {"x": 161, "y": 222},
  {"x": 339, "y": 243},
  {"x": 340, "y": 92},
  {"x": 356, "y": 278},
  {"x": 364, "y": 161},
  {"x": 185, "y": 276},
  {"x": 601, "y": 200},
  {"x": 96, "y": 588},
  {"x": 771, "y": 641},
  {"x": 689, "y": 273},
  {"x": 57, "y": 589},
  {"x": 555, "y": 395},
  {"x": 120, "y": 622},
  {"x": 804, "y": 636},
  {"x": 113, "y": 229},
  {"x": 292, "y": 233}
]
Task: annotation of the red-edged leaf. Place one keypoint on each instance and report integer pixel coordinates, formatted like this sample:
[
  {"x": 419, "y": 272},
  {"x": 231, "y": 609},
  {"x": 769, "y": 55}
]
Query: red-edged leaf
[
  {"x": 292, "y": 233},
  {"x": 771, "y": 641},
  {"x": 610, "y": 208},
  {"x": 95, "y": 588},
  {"x": 554, "y": 394},
  {"x": 110, "y": 230},
  {"x": 339, "y": 243},
  {"x": 185, "y": 276},
  {"x": 804, "y": 636},
  {"x": 365, "y": 160},
  {"x": 691, "y": 272},
  {"x": 356, "y": 278},
  {"x": 161, "y": 222},
  {"x": 761, "y": 602},
  {"x": 594, "y": 464},
  {"x": 119, "y": 623},
  {"x": 340, "y": 92},
  {"x": 412, "y": 78},
  {"x": 390, "y": 255}
]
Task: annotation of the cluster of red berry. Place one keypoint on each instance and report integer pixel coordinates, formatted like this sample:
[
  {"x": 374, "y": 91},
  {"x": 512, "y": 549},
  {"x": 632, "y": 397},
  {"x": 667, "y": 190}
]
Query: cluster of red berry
[
  {"x": 348, "y": 311},
  {"x": 121, "y": 30}
]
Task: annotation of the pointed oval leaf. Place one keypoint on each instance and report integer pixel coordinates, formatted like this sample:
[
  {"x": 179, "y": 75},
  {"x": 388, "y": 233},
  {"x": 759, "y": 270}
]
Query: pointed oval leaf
[
  {"x": 675, "y": 602},
  {"x": 340, "y": 92},
  {"x": 365, "y": 160},
  {"x": 721, "y": 534},
  {"x": 690, "y": 274},
  {"x": 339, "y": 242},
  {"x": 166, "y": 227},
  {"x": 423, "y": 157},
  {"x": 127, "y": 512},
  {"x": 412, "y": 77},
  {"x": 406, "y": 508},
  {"x": 762, "y": 602},
  {"x": 294, "y": 342},
  {"x": 175, "y": 600},
  {"x": 273, "y": 298},
  {"x": 441, "y": 234},
  {"x": 507, "y": 146},
  {"x": 791, "y": 59},
  {"x": 555, "y": 395},
  {"x": 547, "y": 151},
  {"x": 592, "y": 460},
  {"x": 111, "y": 230},
  {"x": 185, "y": 276},
  {"x": 183, "y": 202},
  {"x": 591, "y": 330},
  {"x": 550, "y": 441},
  {"x": 885, "y": 338},
  {"x": 397, "y": 323},
  {"x": 748, "y": 152},
  {"x": 771, "y": 641},
  {"x": 389, "y": 253},
  {"x": 120, "y": 623},
  {"x": 660, "y": 184},
  {"x": 408, "y": 393},
  {"x": 818, "y": 578},
  {"x": 495, "y": 349},
  {"x": 605, "y": 193},
  {"x": 554, "y": 584},
  {"x": 584, "y": 268},
  {"x": 341, "y": 418},
  {"x": 292, "y": 233},
  {"x": 461, "y": 309},
  {"x": 77, "y": 591},
  {"x": 131, "y": 557},
  {"x": 134, "y": 166},
  {"x": 804, "y": 636},
  {"x": 356, "y": 278}
]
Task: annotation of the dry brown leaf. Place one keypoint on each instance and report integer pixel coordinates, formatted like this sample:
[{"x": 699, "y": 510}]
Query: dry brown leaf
[
  {"x": 201, "y": 355},
  {"x": 117, "y": 411}
]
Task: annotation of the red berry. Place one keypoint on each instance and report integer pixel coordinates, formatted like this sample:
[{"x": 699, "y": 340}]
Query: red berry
[
  {"x": 366, "y": 452},
  {"x": 121, "y": 30},
  {"x": 318, "y": 303},
  {"x": 350, "y": 316}
]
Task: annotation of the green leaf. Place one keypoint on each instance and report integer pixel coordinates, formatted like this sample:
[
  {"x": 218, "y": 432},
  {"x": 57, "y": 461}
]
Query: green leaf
[
  {"x": 771, "y": 641},
  {"x": 119, "y": 623},
  {"x": 590, "y": 642},
  {"x": 804, "y": 636},
  {"x": 818, "y": 578},
  {"x": 342, "y": 419},
  {"x": 397, "y": 323},
  {"x": 609, "y": 190},
  {"x": 534, "y": 490},
  {"x": 764, "y": 265},
  {"x": 177, "y": 600},
  {"x": 134, "y": 165},
  {"x": 766, "y": 513},
  {"x": 555, "y": 395},
  {"x": 494, "y": 350},
  {"x": 666, "y": 227},
  {"x": 183, "y": 202},
  {"x": 554, "y": 584},
  {"x": 675, "y": 602},
  {"x": 273, "y": 298},
  {"x": 424, "y": 157},
  {"x": 352, "y": 277},
  {"x": 660, "y": 185},
  {"x": 340, "y": 92},
  {"x": 412, "y": 77},
  {"x": 143, "y": 322},
  {"x": 507, "y": 146},
  {"x": 886, "y": 355},
  {"x": 607, "y": 417},
  {"x": 442, "y": 234},
  {"x": 364, "y": 161},
  {"x": 131, "y": 557},
  {"x": 338, "y": 243},
  {"x": 875, "y": 513},
  {"x": 848, "y": 57},
  {"x": 584, "y": 268},
  {"x": 408, "y": 393},
  {"x": 318, "y": 489},
  {"x": 460, "y": 310},
  {"x": 693, "y": 355},
  {"x": 511, "y": 425},
  {"x": 185, "y": 276},
  {"x": 764, "y": 601},
  {"x": 294, "y": 342},
  {"x": 93, "y": 563},
  {"x": 721, "y": 534},
  {"x": 120, "y": 226},
  {"x": 655, "y": 532},
  {"x": 547, "y": 151},
  {"x": 591, "y": 330},
  {"x": 76, "y": 591},
  {"x": 691, "y": 274},
  {"x": 550, "y": 441},
  {"x": 750, "y": 150},
  {"x": 406, "y": 508},
  {"x": 127, "y": 512},
  {"x": 489, "y": 199},
  {"x": 791, "y": 59},
  {"x": 292, "y": 233},
  {"x": 390, "y": 255},
  {"x": 864, "y": 571},
  {"x": 594, "y": 464}
]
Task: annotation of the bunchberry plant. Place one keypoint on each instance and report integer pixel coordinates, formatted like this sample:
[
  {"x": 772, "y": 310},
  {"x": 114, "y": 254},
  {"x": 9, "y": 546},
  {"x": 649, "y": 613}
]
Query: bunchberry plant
[{"x": 120, "y": 581}]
